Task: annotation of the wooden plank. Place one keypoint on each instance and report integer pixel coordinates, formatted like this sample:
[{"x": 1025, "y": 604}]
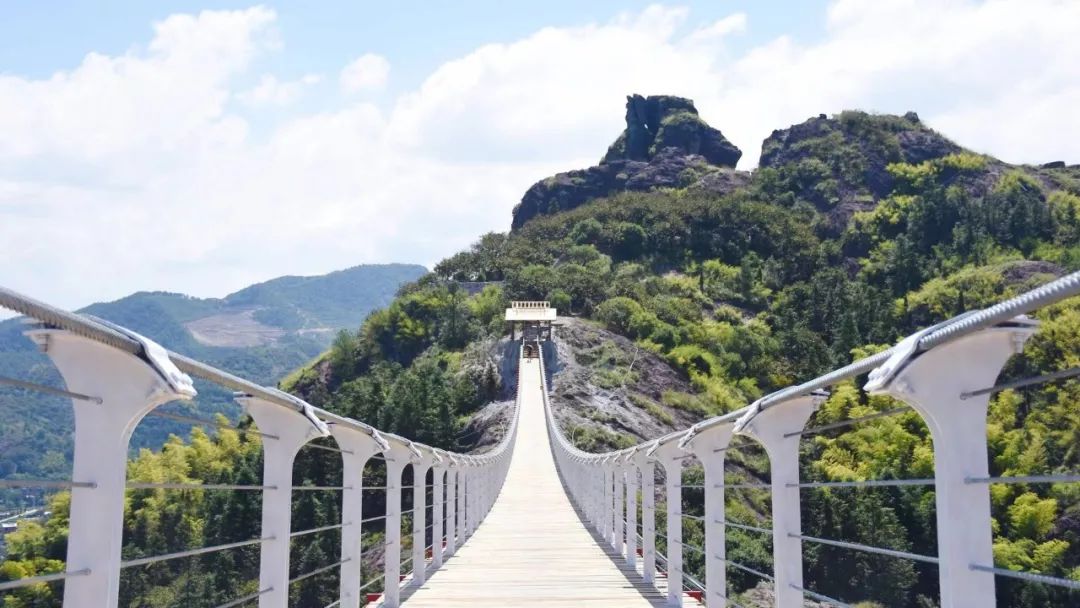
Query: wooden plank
[{"x": 533, "y": 549}]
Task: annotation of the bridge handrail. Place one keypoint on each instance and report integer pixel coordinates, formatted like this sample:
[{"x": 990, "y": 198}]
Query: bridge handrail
[
  {"x": 525, "y": 304},
  {"x": 945, "y": 373},
  {"x": 89, "y": 328},
  {"x": 101, "y": 437},
  {"x": 1050, "y": 293}
]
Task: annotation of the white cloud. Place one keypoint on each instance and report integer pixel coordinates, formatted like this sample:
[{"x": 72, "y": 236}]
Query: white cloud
[
  {"x": 366, "y": 72},
  {"x": 135, "y": 172},
  {"x": 271, "y": 91},
  {"x": 718, "y": 30},
  {"x": 557, "y": 94}
]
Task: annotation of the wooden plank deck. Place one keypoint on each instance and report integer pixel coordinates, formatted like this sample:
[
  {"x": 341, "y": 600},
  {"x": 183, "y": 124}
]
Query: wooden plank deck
[{"x": 533, "y": 549}]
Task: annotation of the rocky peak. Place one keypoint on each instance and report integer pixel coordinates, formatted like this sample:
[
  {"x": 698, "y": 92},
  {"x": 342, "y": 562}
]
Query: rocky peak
[
  {"x": 657, "y": 122},
  {"x": 665, "y": 145}
]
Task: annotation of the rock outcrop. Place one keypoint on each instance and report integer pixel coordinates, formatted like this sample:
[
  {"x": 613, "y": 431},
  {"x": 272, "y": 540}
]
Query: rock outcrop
[
  {"x": 659, "y": 122},
  {"x": 665, "y": 145}
]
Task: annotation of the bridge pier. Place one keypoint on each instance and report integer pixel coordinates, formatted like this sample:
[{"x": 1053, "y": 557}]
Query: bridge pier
[
  {"x": 278, "y": 457},
  {"x": 602, "y": 497},
  {"x": 708, "y": 446},
  {"x": 451, "y": 506},
  {"x": 618, "y": 512},
  {"x": 487, "y": 491},
  {"x": 128, "y": 388},
  {"x": 647, "y": 471},
  {"x": 607, "y": 508},
  {"x": 357, "y": 448},
  {"x": 482, "y": 476},
  {"x": 630, "y": 471},
  {"x": 585, "y": 485},
  {"x": 934, "y": 384},
  {"x": 669, "y": 456},
  {"x": 776, "y": 428},
  {"x": 468, "y": 486},
  {"x": 397, "y": 457},
  {"x": 437, "y": 512},
  {"x": 419, "y": 548}
]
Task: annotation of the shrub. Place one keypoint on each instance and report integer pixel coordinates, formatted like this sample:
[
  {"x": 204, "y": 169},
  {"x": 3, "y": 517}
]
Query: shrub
[
  {"x": 618, "y": 312},
  {"x": 586, "y": 231},
  {"x": 559, "y": 300}
]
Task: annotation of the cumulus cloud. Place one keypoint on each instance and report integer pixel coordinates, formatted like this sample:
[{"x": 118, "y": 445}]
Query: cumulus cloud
[
  {"x": 136, "y": 172},
  {"x": 366, "y": 72},
  {"x": 718, "y": 30},
  {"x": 271, "y": 91}
]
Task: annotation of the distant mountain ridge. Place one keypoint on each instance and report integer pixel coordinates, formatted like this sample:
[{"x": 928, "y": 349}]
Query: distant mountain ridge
[
  {"x": 261, "y": 333},
  {"x": 266, "y": 312}
]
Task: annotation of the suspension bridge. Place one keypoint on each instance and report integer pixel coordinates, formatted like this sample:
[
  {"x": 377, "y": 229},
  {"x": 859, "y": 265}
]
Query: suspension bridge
[{"x": 535, "y": 520}]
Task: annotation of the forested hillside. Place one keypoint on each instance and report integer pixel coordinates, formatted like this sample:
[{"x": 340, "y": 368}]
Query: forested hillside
[
  {"x": 261, "y": 332},
  {"x": 854, "y": 230}
]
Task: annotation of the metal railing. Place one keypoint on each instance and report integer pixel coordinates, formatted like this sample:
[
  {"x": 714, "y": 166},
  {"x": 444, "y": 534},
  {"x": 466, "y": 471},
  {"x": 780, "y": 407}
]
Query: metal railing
[
  {"x": 945, "y": 375},
  {"x": 115, "y": 378}
]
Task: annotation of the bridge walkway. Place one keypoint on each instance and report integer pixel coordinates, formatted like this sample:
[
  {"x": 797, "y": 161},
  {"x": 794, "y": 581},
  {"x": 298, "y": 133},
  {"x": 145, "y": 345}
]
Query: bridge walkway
[{"x": 533, "y": 549}]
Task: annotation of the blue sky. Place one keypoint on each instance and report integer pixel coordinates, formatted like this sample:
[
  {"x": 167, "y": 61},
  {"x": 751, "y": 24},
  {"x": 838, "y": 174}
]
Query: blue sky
[
  {"x": 418, "y": 35},
  {"x": 200, "y": 147}
]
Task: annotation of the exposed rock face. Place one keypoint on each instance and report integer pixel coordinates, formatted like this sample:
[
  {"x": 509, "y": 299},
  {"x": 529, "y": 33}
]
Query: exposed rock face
[
  {"x": 665, "y": 145},
  {"x": 663, "y": 121},
  {"x": 1021, "y": 271},
  {"x": 580, "y": 354},
  {"x": 581, "y": 350}
]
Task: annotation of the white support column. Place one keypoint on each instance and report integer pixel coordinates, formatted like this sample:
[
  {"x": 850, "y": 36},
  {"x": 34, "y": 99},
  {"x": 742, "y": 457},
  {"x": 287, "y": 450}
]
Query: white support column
[
  {"x": 708, "y": 446},
  {"x": 648, "y": 515},
  {"x": 481, "y": 496},
  {"x": 932, "y": 384},
  {"x": 589, "y": 489},
  {"x": 465, "y": 488},
  {"x": 617, "y": 527},
  {"x": 478, "y": 505},
  {"x": 293, "y": 431},
  {"x": 437, "y": 513},
  {"x": 630, "y": 471},
  {"x": 609, "y": 506},
  {"x": 490, "y": 489},
  {"x": 129, "y": 388},
  {"x": 769, "y": 427},
  {"x": 396, "y": 458},
  {"x": 357, "y": 448},
  {"x": 667, "y": 455},
  {"x": 478, "y": 492},
  {"x": 603, "y": 500},
  {"x": 598, "y": 481},
  {"x": 419, "y": 563},
  {"x": 451, "y": 508},
  {"x": 462, "y": 502}
]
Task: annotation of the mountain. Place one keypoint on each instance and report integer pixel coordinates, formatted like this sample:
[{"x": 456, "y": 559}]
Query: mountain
[
  {"x": 687, "y": 288},
  {"x": 261, "y": 333}
]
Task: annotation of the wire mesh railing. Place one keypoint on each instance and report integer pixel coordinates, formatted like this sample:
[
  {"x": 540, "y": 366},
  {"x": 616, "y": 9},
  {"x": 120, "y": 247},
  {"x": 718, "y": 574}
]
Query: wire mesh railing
[
  {"x": 298, "y": 536},
  {"x": 933, "y": 406}
]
